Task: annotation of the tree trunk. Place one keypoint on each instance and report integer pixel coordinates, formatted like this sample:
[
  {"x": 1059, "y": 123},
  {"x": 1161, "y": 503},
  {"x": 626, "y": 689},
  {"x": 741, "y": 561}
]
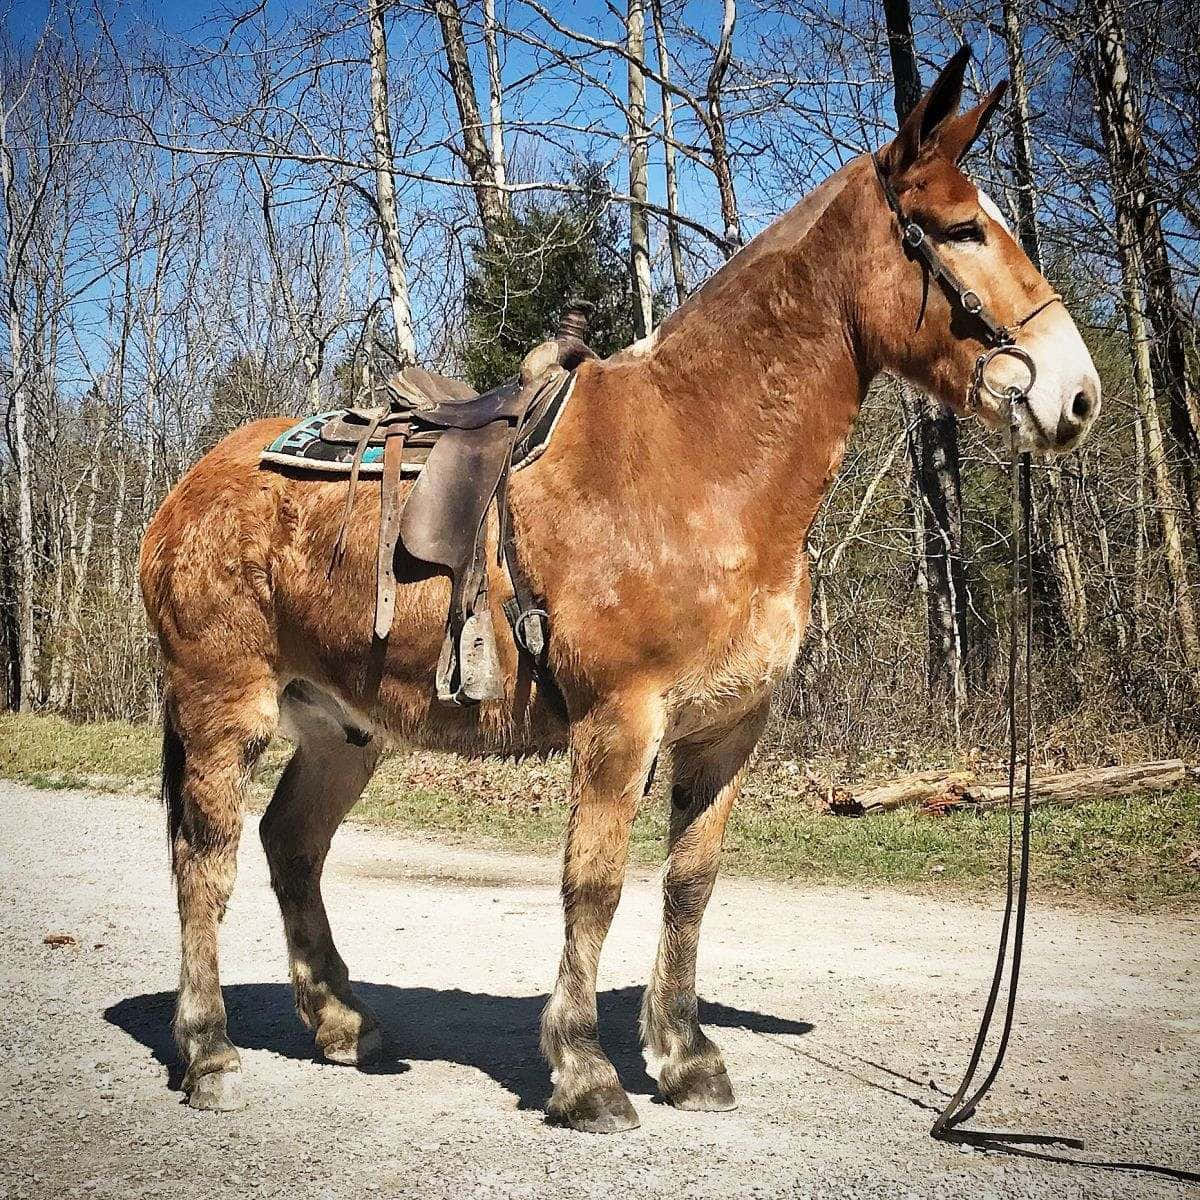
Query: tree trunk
[
  {"x": 1121, "y": 120},
  {"x": 905, "y": 72},
  {"x": 1119, "y": 124},
  {"x": 116, "y": 551},
  {"x": 935, "y": 456},
  {"x": 69, "y": 632},
  {"x": 639, "y": 227},
  {"x": 385, "y": 188},
  {"x": 1114, "y": 606},
  {"x": 491, "y": 202},
  {"x": 1168, "y": 354},
  {"x": 668, "y": 117},
  {"x": 1024, "y": 186},
  {"x": 716, "y": 129},
  {"x": 1058, "y": 531},
  {"x": 9, "y": 602},
  {"x": 495, "y": 94}
]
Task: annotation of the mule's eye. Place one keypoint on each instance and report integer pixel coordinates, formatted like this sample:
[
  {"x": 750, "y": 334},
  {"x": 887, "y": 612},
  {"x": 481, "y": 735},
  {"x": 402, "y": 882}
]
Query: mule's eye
[{"x": 965, "y": 231}]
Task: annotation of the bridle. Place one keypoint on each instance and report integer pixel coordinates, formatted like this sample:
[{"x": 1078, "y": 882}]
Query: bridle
[{"x": 999, "y": 340}]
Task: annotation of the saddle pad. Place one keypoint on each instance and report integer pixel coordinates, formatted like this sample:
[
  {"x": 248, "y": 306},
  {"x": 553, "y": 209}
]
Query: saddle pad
[{"x": 302, "y": 446}]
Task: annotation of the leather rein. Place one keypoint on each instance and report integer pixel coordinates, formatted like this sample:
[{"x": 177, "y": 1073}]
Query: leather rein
[{"x": 998, "y": 340}]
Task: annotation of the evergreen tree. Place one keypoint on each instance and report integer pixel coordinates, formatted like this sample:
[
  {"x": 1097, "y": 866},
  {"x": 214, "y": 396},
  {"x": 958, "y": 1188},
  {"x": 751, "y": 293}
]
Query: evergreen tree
[{"x": 550, "y": 251}]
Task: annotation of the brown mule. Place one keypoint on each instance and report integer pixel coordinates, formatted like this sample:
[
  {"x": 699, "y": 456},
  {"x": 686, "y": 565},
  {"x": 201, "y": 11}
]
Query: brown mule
[{"x": 664, "y": 529}]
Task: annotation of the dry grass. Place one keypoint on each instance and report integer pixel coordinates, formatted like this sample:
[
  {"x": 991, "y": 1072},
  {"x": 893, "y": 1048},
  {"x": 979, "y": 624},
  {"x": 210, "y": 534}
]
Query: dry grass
[{"x": 1133, "y": 852}]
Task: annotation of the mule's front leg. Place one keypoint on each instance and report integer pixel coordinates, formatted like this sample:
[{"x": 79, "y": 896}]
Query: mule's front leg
[
  {"x": 691, "y": 1071},
  {"x": 611, "y": 753}
]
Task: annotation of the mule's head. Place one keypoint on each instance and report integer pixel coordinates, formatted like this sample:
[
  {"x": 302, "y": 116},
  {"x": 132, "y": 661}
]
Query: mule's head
[{"x": 922, "y": 326}]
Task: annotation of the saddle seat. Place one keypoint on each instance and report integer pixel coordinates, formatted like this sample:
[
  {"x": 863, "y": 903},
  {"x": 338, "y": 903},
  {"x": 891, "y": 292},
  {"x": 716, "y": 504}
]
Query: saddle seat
[{"x": 468, "y": 444}]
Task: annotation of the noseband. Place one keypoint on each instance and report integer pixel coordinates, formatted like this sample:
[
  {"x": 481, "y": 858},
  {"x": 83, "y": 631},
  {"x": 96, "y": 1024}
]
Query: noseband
[{"x": 998, "y": 339}]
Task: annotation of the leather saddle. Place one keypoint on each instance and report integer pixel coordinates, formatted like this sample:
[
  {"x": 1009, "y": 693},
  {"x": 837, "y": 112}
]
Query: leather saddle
[{"x": 466, "y": 444}]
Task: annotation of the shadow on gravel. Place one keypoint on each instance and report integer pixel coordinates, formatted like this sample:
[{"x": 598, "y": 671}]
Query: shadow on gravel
[{"x": 495, "y": 1034}]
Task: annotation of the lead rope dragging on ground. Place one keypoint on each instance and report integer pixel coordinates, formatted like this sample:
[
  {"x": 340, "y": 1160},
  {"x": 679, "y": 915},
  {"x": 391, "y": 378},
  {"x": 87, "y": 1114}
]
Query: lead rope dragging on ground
[{"x": 960, "y": 1109}]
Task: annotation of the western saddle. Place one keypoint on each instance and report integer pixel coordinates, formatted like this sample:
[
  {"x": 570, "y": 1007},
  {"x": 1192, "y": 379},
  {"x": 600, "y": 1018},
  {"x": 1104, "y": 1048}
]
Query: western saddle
[{"x": 467, "y": 445}]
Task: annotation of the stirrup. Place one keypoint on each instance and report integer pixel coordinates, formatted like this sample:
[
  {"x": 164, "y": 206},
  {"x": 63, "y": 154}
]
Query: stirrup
[{"x": 468, "y": 668}]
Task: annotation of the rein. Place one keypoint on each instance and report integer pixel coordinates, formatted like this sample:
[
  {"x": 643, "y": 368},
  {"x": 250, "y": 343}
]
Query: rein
[
  {"x": 961, "y": 1107},
  {"x": 1000, "y": 340}
]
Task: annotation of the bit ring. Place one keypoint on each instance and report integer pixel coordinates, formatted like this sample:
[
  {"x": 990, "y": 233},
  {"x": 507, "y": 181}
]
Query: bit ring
[{"x": 1011, "y": 393}]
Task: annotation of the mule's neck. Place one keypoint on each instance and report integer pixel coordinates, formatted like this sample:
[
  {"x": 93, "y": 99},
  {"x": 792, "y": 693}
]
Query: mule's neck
[{"x": 762, "y": 372}]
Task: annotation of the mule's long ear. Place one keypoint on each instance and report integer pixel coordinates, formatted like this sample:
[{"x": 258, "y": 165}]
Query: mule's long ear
[
  {"x": 935, "y": 107},
  {"x": 959, "y": 134}
]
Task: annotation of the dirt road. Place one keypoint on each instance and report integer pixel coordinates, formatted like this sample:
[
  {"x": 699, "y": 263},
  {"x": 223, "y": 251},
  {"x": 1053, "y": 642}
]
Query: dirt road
[{"x": 836, "y": 1009}]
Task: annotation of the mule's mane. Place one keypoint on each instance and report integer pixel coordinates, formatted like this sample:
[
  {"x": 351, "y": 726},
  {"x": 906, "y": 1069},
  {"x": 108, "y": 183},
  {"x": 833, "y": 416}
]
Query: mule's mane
[{"x": 785, "y": 232}]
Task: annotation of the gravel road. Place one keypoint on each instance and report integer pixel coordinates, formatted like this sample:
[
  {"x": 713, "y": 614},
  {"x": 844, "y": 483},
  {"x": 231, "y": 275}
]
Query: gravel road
[{"x": 839, "y": 1010}]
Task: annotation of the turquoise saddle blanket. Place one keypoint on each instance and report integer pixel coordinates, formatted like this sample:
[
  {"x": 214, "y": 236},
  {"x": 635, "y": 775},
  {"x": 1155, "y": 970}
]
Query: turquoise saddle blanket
[{"x": 302, "y": 447}]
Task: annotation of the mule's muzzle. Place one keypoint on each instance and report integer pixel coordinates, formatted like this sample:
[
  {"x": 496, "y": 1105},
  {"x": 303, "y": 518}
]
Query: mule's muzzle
[{"x": 1076, "y": 417}]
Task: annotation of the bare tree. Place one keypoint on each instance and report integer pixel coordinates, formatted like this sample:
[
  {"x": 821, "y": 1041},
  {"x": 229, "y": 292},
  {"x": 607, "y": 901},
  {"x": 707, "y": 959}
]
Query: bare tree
[
  {"x": 1058, "y": 530},
  {"x": 20, "y": 211},
  {"x": 487, "y": 179},
  {"x": 495, "y": 92},
  {"x": 668, "y": 139},
  {"x": 639, "y": 226},
  {"x": 1119, "y": 123},
  {"x": 715, "y": 125},
  {"x": 385, "y": 185},
  {"x": 934, "y": 450}
]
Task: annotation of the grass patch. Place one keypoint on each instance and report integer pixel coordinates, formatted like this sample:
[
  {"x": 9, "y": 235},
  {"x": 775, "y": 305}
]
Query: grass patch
[
  {"x": 48, "y": 751},
  {"x": 1132, "y": 852}
]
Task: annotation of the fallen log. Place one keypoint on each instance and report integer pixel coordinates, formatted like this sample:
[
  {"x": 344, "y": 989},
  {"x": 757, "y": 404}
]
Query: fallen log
[
  {"x": 925, "y": 789},
  {"x": 946, "y": 791},
  {"x": 1091, "y": 783}
]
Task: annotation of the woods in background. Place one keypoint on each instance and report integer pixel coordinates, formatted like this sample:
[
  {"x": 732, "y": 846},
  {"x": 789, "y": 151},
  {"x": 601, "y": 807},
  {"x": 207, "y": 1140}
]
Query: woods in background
[{"x": 263, "y": 213}]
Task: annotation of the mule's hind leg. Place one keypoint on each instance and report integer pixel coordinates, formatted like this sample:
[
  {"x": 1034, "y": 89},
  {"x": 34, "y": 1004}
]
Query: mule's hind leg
[
  {"x": 209, "y": 751},
  {"x": 691, "y": 1071},
  {"x": 324, "y": 778},
  {"x": 612, "y": 750}
]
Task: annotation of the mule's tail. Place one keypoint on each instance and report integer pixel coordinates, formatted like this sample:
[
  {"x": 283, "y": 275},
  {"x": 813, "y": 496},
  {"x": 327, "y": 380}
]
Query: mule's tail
[{"x": 172, "y": 780}]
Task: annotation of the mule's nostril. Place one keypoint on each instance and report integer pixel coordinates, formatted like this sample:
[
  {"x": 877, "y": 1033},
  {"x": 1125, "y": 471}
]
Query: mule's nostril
[{"x": 1081, "y": 406}]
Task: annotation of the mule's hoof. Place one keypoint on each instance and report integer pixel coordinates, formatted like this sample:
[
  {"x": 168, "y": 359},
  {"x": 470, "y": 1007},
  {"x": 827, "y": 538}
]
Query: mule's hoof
[
  {"x": 703, "y": 1093},
  {"x": 359, "y": 1053},
  {"x": 218, "y": 1091},
  {"x": 602, "y": 1110}
]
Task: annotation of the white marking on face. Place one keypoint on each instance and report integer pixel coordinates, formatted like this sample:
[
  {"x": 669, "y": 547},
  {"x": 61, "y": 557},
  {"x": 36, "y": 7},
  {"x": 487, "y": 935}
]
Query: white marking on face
[
  {"x": 1052, "y": 420},
  {"x": 992, "y": 209}
]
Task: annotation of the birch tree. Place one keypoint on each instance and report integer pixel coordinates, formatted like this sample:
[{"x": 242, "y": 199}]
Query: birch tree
[
  {"x": 385, "y": 186},
  {"x": 668, "y": 140},
  {"x": 639, "y": 151},
  {"x": 487, "y": 179},
  {"x": 495, "y": 93},
  {"x": 1119, "y": 122}
]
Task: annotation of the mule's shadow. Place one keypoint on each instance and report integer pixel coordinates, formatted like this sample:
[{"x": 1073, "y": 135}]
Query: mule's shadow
[{"x": 495, "y": 1034}]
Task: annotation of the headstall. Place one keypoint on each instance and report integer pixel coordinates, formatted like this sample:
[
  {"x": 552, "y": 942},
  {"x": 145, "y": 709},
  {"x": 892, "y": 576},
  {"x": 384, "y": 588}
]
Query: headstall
[{"x": 998, "y": 339}]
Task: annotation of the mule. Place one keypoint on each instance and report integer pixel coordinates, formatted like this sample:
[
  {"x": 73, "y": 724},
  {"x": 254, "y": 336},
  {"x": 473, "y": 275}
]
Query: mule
[{"x": 664, "y": 531}]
